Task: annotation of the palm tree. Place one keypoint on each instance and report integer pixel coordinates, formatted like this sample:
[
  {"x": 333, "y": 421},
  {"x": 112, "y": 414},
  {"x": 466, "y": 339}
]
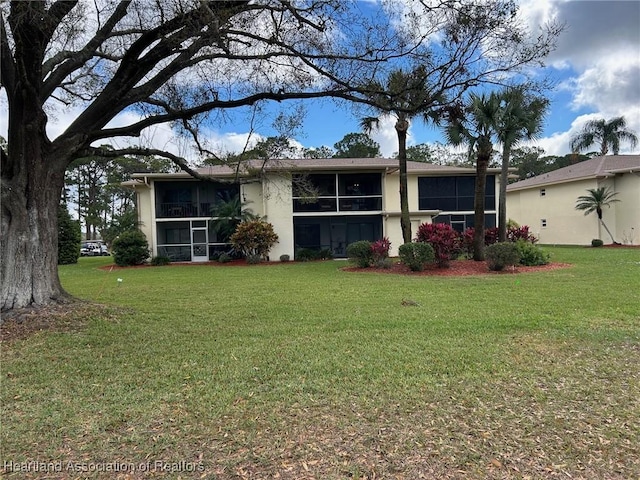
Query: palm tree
[
  {"x": 521, "y": 118},
  {"x": 227, "y": 214},
  {"x": 405, "y": 96},
  {"x": 597, "y": 198},
  {"x": 606, "y": 134},
  {"x": 476, "y": 125}
]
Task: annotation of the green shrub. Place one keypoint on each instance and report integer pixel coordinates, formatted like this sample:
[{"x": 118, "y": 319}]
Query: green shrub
[
  {"x": 307, "y": 255},
  {"x": 254, "y": 238},
  {"x": 254, "y": 259},
  {"x": 416, "y": 255},
  {"x": 69, "y": 237},
  {"x": 383, "y": 263},
  {"x": 596, "y": 242},
  {"x": 360, "y": 253},
  {"x": 285, "y": 258},
  {"x": 500, "y": 255},
  {"x": 224, "y": 257},
  {"x": 130, "y": 248},
  {"x": 160, "y": 260},
  {"x": 531, "y": 255},
  {"x": 325, "y": 254}
]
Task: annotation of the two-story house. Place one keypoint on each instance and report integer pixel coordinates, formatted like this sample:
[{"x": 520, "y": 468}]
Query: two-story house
[
  {"x": 547, "y": 202},
  {"x": 354, "y": 199}
]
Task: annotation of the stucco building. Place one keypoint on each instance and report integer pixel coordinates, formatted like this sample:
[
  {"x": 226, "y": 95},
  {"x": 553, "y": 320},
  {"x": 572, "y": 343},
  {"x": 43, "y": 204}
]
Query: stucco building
[
  {"x": 547, "y": 202},
  {"x": 357, "y": 198}
]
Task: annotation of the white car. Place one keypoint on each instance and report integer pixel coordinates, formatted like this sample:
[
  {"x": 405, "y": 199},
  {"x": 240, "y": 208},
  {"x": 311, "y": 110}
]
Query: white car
[{"x": 93, "y": 249}]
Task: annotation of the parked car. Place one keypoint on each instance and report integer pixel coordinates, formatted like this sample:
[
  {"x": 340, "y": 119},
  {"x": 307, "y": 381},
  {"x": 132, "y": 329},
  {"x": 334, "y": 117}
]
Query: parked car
[{"x": 94, "y": 249}]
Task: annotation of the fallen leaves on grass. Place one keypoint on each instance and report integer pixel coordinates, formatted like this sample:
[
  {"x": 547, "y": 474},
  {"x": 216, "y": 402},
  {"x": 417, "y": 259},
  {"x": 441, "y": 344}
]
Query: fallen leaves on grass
[{"x": 64, "y": 317}]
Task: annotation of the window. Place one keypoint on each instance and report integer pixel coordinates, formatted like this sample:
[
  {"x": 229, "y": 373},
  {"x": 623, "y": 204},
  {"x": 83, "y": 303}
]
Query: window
[
  {"x": 543, "y": 222},
  {"x": 543, "y": 192},
  {"x": 338, "y": 192},
  {"x": 176, "y": 233},
  {"x": 451, "y": 194},
  {"x": 462, "y": 222},
  {"x": 179, "y": 199}
]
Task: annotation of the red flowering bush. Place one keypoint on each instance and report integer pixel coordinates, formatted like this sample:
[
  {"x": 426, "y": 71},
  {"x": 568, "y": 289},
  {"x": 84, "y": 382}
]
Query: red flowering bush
[
  {"x": 380, "y": 251},
  {"x": 521, "y": 233},
  {"x": 491, "y": 236},
  {"x": 443, "y": 238},
  {"x": 466, "y": 240}
]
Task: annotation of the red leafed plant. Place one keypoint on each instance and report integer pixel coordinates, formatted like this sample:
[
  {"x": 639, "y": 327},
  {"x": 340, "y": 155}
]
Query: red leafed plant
[
  {"x": 443, "y": 238},
  {"x": 380, "y": 248},
  {"x": 521, "y": 233}
]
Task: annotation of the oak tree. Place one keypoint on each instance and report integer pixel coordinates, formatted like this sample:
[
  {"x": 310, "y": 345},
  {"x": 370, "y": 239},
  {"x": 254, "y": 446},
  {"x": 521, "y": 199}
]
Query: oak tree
[{"x": 125, "y": 66}]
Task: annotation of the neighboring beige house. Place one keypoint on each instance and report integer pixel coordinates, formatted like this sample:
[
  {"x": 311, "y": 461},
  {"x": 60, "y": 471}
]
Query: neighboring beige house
[
  {"x": 358, "y": 198},
  {"x": 547, "y": 202}
]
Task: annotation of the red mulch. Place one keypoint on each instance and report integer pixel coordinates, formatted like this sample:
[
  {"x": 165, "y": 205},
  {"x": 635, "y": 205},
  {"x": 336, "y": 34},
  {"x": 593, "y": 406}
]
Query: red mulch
[
  {"x": 459, "y": 268},
  {"x": 456, "y": 268}
]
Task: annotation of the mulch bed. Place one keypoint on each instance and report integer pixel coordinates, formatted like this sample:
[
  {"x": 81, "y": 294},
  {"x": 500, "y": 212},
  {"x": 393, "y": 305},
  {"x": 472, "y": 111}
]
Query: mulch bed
[{"x": 458, "y": 268}]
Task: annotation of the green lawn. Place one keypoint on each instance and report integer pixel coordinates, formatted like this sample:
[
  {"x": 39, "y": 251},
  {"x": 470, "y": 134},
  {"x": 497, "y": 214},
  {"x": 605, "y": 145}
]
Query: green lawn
[{"x": 302, "y": 370}]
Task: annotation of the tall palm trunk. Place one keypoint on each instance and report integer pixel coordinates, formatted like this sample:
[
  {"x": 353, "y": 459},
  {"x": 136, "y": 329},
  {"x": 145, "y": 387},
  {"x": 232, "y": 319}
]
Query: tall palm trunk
[
  {"x": 482, "y": 164},
  {"x": 502, "y": 200},
  {"x": 599, "y": 212},
  {"x": 405, "y": 219}
]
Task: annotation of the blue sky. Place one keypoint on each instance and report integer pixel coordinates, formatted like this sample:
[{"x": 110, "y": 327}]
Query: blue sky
[{"x": 596, "y": 68}]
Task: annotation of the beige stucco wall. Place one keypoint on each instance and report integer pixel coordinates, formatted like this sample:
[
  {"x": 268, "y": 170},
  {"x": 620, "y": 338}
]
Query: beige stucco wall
[
  {"x": 627, "y": 211},
  {"x": 391, "y": 209},
  {"x": 278, "y": 210},
  {"x": 565, "y": 224},
  {"x": 146, "y": 214}
]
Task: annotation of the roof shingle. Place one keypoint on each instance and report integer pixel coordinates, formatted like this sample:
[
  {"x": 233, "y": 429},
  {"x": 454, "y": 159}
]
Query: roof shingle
[{"x": 596, "y": 167}]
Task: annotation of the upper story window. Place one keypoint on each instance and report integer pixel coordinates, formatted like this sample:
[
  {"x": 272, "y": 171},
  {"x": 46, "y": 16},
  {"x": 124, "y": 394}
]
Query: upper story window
[
  {"x": 180, "y": 199},
  {"x": 338, "y": 192},
  {"x": 453, "y": 193}
]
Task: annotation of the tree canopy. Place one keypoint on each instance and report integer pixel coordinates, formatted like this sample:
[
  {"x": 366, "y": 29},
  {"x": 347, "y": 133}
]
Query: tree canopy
[
  {"x": 356, "y": 145},
  {"x": 607, "y": 134}
]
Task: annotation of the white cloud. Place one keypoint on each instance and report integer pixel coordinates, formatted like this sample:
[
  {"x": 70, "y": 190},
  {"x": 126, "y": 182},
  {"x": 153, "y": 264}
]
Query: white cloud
[
  {"x": 386, "y": 136},
  {"x": 597, "y": 62},
  {"x": 609, "y": 85}
]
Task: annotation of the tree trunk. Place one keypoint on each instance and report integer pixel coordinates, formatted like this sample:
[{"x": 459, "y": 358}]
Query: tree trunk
[
  {"x": 32, "y": 180},
  {"x": 502, "y": 201},
  {"x": 605, "y": 227},
  {"x": 482, "y": 163},
  {"x": 29, "y": 239},
  {"x": 405, "y": 219}
]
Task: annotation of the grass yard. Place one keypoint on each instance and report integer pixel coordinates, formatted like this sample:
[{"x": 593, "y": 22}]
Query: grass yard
[{"x": 297, "y": 371}]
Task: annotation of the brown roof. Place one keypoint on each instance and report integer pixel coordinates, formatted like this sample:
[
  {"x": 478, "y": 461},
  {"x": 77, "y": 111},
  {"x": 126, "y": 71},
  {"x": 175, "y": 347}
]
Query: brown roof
[
  {"x": 597, "y": 167},
  {"x": 323, "y": 164}
]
